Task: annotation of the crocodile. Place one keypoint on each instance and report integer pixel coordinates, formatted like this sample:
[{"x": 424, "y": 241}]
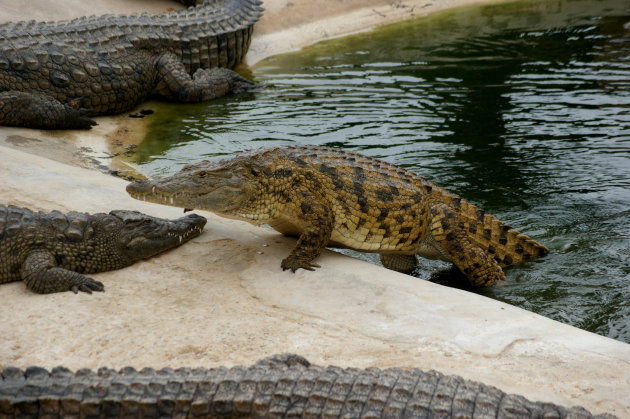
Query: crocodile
[
  {"x": 56, "y": 75},
  {"x": 51, "y": 251},
  {"x": 330, "y": 197},
  {"x": 284, "y": 385}
]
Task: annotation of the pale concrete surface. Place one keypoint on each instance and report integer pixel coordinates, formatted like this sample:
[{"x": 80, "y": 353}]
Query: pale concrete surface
[
  {"x": 222, "y": 298},
  {"x": 45, "y": 10}
]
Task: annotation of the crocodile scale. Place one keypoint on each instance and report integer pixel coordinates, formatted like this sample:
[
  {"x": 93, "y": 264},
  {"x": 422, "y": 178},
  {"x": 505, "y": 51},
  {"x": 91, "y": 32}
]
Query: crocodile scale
[
  {"x": 331, "y": 197},
  {"x": 58, "y": 74},
  {"x": 50, "y": 252},
  {"x": 280, "y": 386}
]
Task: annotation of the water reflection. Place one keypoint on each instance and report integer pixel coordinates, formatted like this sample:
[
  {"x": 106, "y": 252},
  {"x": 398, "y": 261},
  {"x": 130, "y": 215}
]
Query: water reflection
[{"x": 522, "y": 107}]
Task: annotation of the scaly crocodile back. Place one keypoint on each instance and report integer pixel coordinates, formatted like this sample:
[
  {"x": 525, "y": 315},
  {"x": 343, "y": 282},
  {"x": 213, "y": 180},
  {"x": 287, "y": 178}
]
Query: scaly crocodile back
[
  {"x": 214, "y": 34},
  {"x": 507, "y": 245},
  {"x": 284, "y": 385}
]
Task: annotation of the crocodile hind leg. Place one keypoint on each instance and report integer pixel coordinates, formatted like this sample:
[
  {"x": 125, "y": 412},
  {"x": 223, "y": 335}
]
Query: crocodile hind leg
[
  {"x": 175, "y": 83},
  {"x": 399, "y": 262},
  {"x": 480, "y": 268},
  {"x": 22, "y": 109},
  {"x": 41, "y": 275}
]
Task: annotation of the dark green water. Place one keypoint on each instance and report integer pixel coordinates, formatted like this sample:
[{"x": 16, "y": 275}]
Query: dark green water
[{"x": 522, "y": 108}]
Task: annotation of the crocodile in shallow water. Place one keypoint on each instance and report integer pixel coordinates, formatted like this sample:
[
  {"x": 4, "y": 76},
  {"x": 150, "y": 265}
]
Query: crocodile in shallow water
[
  {"x": 52, "y": 251},
  {"x": 277, "y": 387},
  {"x": 57, "y": 74},
  {"x": 338, "y": 198}
]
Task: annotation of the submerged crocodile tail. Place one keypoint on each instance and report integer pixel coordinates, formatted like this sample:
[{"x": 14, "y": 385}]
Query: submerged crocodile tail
[{"x": 507, "y": 245}]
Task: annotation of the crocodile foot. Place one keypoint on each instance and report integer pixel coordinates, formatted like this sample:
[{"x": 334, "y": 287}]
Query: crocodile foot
[
  {"x": 296, "y": 262},
  {"x": 223, "y": 78},
  {"x": 23, "y": 109},
  {"x": 86, "y": 284}
]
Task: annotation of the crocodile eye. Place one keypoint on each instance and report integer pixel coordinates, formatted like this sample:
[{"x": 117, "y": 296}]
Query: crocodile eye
[{"x": 202, "y": 174}]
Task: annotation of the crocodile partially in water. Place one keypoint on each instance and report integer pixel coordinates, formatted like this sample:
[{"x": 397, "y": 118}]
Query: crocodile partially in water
[
  {"x": 51, "y": 252},
  {"x": 277, "y": 387},
  {"x": 339, "y": 198},
  {"x": 56, "y": 75}
]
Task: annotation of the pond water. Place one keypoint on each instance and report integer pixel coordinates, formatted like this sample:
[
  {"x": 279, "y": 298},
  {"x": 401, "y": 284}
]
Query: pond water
[{"x": 520, "y": 107}]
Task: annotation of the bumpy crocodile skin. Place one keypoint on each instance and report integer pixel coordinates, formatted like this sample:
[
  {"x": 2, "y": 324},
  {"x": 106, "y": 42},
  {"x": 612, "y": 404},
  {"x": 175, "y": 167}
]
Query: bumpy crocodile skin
[
  {"x": 331, "y": 197},
  {"x": 58, "y": 74},
  {"x": 52, "y": 251},
  {"x": 278, "y": 387}
]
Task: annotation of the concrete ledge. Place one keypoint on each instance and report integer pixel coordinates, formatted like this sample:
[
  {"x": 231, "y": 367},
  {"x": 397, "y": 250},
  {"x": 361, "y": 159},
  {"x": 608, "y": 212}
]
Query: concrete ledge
[{"x": 223, "y": 300}]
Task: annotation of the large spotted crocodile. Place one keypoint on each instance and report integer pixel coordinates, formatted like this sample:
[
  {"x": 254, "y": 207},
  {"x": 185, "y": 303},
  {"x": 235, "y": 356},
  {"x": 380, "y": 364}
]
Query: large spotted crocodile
[
  {"x": 52, "y": 251},
  {"x": 283, "y": 386},
  {"x": 332, "y": 197},
  {"x": 57, "y": 74}
]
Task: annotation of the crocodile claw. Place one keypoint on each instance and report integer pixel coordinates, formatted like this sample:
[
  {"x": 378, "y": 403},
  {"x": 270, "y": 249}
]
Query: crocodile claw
[
  {"x": 294, "y": 263},
  {"x": 88, "y": 285},
  {"x": 77, "y": 118},
  {"x": 242, "y": 85}
]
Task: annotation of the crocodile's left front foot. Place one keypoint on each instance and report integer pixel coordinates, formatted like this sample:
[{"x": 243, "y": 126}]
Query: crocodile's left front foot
[
  {"x": 87, "y": 285},
  {"x": 295, "y": 262}
]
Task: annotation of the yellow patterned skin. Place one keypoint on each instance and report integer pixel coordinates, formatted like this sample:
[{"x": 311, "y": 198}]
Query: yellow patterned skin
[{"x": 330, "y": 197}]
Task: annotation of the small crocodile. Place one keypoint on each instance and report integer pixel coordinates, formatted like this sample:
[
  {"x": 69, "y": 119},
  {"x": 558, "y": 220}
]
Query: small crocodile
[
  {"x": 281, "y": 386},
  {"x": 343, "y": 199},
  {"x": 50, "y": 252},
  {"x": 55, "y": 75}
]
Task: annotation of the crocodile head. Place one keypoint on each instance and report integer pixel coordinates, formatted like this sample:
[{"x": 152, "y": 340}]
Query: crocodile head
[
  {"x": 134, "y": 235},
  {"x": 223, "y": 187}
]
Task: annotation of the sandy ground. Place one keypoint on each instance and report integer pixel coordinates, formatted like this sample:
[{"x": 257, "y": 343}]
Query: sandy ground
[{"x": 223, "y": 300}]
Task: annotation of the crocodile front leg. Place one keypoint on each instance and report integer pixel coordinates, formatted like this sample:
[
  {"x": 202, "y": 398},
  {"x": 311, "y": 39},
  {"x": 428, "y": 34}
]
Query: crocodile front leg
[
  {"x": 480, "y": 268},
  {"x": 22, "y": 109},
  {"x": 41, "y": 275},
  {"x": 175, "y": 83},
  {"x": 319, "y": 222}
]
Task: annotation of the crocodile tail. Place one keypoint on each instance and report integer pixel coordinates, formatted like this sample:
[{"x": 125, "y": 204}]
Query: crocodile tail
[{"x": 508, "y": 246}]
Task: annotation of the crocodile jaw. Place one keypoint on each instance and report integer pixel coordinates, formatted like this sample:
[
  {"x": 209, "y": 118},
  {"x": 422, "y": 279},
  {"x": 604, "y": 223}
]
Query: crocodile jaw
[
  {"x": 218, "y": 193},
  {"x": 141, "y": 236}
]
